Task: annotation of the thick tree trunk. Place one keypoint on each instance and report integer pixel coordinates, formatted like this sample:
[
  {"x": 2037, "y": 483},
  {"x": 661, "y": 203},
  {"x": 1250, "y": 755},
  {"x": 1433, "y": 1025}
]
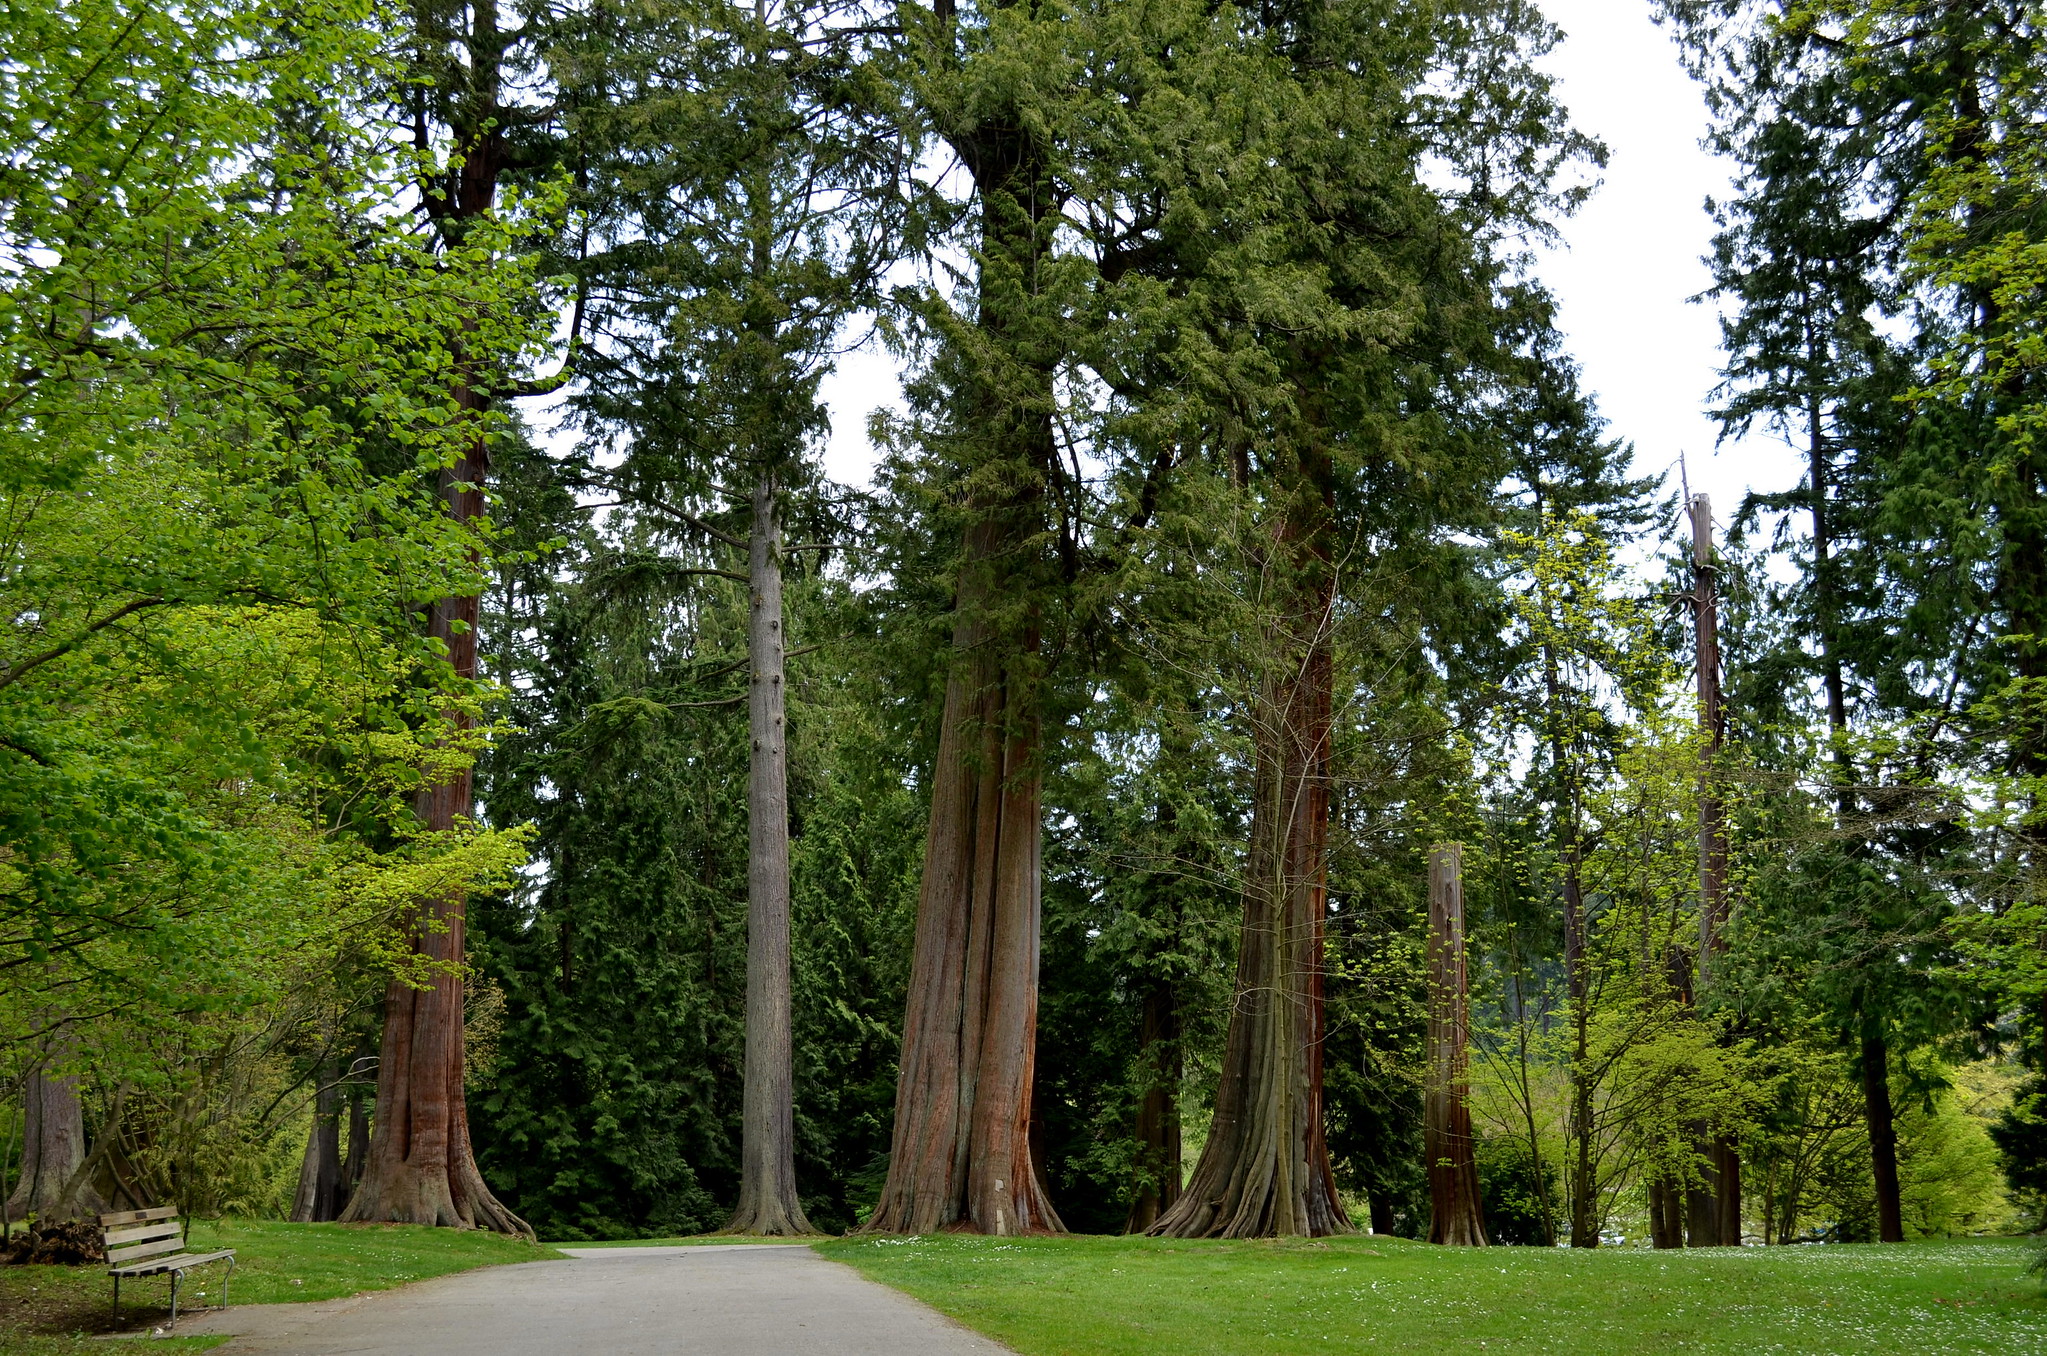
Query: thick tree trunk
[
  {"x": 1456, "y": 1215},
  {"x": 55, "y": 1183},
  {"x": 768, "y": 1202},
  {"x": 1883, "y": 1138},
  {"x": 420, "y": 1168},
  {"x": 319, "y": 1197},
  {"x": 1265, "y": 1169},
  {"x": 961, "y": 1156},
  {"x": 1158, "y": 1112}
]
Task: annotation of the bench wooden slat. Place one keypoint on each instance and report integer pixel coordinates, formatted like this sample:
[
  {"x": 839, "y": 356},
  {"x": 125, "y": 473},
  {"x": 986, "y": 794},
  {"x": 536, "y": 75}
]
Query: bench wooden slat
[
  {"x": 118, "y": 1257},
  {"x": 143, "y": 1233},
  {"x": 177, "y": 1263},
  {"x": 138, "y": 1216}
]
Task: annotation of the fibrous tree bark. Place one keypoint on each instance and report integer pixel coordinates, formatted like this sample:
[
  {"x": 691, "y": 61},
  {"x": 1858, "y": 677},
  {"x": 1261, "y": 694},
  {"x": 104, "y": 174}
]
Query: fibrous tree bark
[
  {"x": 961, "y": 1151},
  {"x": 768, "y": 1203},
  {"x": 1265, "y": 1168},
  {"x": 56, "y": 1181},
  {"x": 1713, "y": 1207},
  {"x": 420, "y": 1168},
  {"x": 961, "y": 1156},
  {"x": 1456, "y": 1213}
]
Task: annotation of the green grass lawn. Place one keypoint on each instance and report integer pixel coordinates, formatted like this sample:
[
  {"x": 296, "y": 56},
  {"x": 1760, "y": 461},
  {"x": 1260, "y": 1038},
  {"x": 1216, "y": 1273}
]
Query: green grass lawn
[
  {"x": 55, "y": 1309},
  {"x": 1122, "y": 1296}
]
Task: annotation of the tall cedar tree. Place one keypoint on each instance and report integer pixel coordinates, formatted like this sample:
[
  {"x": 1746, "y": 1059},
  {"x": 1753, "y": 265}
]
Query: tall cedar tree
[
  {"x": 421, "y": 1167},
  {"x": 1362, "y": 449},
  {"x": 961, "y": 1154}
]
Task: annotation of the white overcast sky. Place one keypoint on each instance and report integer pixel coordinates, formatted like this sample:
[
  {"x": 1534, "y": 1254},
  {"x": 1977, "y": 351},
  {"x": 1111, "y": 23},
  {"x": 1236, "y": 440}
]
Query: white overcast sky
[{"x": 1630, "y": 261}]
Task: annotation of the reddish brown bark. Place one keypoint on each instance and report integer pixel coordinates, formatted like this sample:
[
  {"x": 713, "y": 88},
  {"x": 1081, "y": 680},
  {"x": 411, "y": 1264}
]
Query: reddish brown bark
[
  {"x": 1456, "y": 1215},
  {"x": 1265, "y": 1168},
  {"x": 961, "y": 1155},
  {"x": 421, "y": 1168}
]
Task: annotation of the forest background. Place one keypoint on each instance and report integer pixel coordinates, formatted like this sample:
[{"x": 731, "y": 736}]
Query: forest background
[{"x": 1244, "y": 532}]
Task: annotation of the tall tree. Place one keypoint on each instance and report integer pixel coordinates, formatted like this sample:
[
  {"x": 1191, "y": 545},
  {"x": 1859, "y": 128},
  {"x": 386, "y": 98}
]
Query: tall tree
[
  {"x": 743, "y": 177},
  {"x": 1838, "y": 143},
  {"x": 469, "y": 135},
  {"x": 1332, "y": 451},
  {"x": 961, "y": 1154}
]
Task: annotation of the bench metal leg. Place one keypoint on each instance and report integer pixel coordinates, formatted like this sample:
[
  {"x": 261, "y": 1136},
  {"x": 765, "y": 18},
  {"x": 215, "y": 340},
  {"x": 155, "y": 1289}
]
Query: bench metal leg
[
  {"x": 224, "y": 1280},
  {"x": 174, "y": 1299}
]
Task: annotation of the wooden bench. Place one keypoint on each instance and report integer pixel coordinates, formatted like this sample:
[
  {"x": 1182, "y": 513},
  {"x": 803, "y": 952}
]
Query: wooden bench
[{"x": 151, "y": 1242}]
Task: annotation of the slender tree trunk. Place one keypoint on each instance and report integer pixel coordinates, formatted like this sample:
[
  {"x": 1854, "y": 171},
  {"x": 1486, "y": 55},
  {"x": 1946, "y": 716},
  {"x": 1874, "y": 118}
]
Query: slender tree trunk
[
  {"x": 1883, "y": 1139},
  {"x": 1584, "y": 1217},
  {"x": 1265, "y": 1168},
  {"x": 1715, "y": 1206},
  {"x": 54, "y": 1184},
  {"x": 1876, "y": 1088},
  {"x": 1158, "y": 1112},
  {"x": 319, "y": 1197},
  {"x": 1456, "y": 1215},
  {"x": 768, "y": 1203}
]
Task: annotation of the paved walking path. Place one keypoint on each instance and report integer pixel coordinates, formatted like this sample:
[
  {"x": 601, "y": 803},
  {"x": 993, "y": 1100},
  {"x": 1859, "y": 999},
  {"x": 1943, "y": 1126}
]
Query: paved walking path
[{"x": 747, "y": 1299}]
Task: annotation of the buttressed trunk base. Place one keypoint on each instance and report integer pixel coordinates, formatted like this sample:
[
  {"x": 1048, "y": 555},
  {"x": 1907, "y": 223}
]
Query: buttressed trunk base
[
  {"x": 421, "y": 1168},
  {"x": 961, "y": 1158},
  {"x": 1265, "y": 1170}
]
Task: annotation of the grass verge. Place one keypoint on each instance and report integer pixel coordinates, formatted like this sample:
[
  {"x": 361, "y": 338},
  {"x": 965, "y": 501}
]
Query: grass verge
[
  {"x": 46, "y": 1310},
  {"x": 1125, "y": 1296}
]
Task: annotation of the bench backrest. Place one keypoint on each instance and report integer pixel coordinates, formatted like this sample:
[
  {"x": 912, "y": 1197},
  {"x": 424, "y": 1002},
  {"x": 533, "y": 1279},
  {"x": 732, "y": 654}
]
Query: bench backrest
[{"x": 133, "y": 1235}]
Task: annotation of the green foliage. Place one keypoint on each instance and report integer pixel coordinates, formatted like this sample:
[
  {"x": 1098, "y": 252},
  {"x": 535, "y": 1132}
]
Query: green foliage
[
  {"x": 1950, "y": 1183},
  {"x": 1520, "y": 1192},
  {"x": 226, "y": 358},
  {"x": 610, "y": 1106}
]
